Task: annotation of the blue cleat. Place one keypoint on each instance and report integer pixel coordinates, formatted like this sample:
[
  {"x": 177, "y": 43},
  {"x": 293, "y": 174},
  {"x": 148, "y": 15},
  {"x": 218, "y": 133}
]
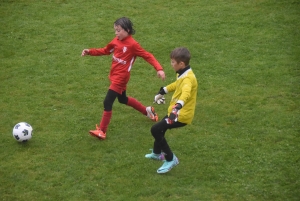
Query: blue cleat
[
  {"x": 154, "y": 156},
  {"x": 168, "y": 165}
]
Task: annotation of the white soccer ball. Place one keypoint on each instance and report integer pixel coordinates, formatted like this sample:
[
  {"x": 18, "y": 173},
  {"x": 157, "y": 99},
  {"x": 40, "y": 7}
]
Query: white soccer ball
[{"x": 22, "y": 132}]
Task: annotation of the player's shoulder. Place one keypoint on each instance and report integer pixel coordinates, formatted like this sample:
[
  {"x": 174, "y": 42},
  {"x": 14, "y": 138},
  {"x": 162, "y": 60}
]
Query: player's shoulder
[
  {"x": 187, "y": 73},
  {"x": 190, "y": 75},
  {"x": 133, "y": 42},
  {"x": 129, "y": 39},
  {"x": 129, "y": 42},
  {"x": 191, "y": 72}
]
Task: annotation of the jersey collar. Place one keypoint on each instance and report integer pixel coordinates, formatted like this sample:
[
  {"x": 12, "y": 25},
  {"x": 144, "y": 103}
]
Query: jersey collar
[{"x": 181, "y": 71}]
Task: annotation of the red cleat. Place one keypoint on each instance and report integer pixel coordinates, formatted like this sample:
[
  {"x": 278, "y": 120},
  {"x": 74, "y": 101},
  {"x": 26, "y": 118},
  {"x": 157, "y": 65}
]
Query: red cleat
[
  {"x": 98, "y": 133},
  {"x": 151, "y": 113}
]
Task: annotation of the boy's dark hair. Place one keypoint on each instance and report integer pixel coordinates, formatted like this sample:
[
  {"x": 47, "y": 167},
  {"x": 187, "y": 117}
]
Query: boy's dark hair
[
  {"x": 181, "y": 54},
  {"x": 126, "y": 24}
]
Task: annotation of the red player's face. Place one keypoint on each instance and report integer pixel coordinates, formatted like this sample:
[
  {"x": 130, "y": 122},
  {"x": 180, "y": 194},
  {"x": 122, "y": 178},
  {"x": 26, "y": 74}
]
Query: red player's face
[{"x": 120, "y": 32}]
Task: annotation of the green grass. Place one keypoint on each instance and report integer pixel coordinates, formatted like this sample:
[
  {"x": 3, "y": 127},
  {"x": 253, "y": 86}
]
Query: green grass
[{"x": 244, "y": 141}]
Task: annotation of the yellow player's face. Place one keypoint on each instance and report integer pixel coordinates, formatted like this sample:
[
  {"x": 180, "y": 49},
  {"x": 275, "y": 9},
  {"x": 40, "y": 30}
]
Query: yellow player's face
[
  {"x": 177, "y": 66},
  {"x": 120, "y": 32}
]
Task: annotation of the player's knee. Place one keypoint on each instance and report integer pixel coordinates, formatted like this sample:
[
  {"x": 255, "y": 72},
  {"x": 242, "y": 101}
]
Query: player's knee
[
  {"x": 123, "y": 100},
  {"x": 155, "y": 131},
  {"x": 157, "y": 135}
]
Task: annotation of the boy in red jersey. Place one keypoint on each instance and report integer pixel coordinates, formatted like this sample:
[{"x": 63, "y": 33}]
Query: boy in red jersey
[{"x": 125, "y": 50}]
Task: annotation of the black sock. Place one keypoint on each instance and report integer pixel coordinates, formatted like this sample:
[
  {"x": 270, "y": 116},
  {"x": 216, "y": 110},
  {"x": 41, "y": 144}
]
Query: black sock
[{"x": 165, "y": 148}]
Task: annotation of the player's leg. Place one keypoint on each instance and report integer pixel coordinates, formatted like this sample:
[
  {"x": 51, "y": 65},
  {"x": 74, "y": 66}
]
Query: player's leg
[
  {"x": 156, "y": 152},
  {"x": 134, "y": 103},
  {"x": 100, "y": 132},
  {"x": 161, "y": 145},
  {"x": 107, "y": 113},
  {"x": 158, "y": 132},
  {"x": 122, "y": 98}
]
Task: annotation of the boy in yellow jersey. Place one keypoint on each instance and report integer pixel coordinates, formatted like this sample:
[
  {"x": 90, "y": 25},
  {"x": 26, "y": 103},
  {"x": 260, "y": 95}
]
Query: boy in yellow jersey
[{"x": 181, "y": 109}]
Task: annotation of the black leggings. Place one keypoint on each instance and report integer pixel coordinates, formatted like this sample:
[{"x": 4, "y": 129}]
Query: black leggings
[
  {"x": 158, "y": 131},
  {"x": 111, "y": 97}
]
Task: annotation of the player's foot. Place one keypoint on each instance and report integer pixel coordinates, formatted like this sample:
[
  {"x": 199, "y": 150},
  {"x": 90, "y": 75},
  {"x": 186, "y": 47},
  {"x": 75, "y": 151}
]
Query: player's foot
[
  {"x": 168, "y": 165},
  {"x": 98, "y": 133},
  {"x": 154, "y": 156},
  {"x": 151, "y": 113}
]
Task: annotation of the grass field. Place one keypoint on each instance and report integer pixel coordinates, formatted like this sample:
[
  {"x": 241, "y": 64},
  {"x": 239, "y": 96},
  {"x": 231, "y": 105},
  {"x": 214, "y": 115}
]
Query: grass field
[{"x": 244, "y": 141}]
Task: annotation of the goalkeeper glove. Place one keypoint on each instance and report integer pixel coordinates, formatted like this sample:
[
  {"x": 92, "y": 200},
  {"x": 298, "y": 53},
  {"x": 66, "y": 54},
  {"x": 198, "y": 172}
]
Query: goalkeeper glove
[
  {"x": 174, "y": 114},
  {"x": 159, "y": 98}
]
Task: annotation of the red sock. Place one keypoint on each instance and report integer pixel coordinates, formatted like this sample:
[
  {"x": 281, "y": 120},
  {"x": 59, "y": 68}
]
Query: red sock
[
  {"x": 106, "y": 116},
  {"x": 132, "y": 102}
]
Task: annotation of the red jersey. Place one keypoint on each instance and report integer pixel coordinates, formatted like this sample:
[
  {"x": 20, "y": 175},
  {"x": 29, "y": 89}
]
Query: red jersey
[{"x": 124, "y": 54}]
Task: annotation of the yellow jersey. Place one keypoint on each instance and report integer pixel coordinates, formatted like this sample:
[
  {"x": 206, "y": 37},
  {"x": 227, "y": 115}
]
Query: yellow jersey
[{"x": 185, "y": 92}]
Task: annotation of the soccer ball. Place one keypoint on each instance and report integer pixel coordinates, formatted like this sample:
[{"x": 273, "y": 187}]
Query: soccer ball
[{"x": 22, "y": 132}]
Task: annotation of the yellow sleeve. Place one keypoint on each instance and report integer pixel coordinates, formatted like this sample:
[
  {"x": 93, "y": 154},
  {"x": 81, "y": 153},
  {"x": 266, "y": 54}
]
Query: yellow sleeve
[{"x": 171, "y": 87}]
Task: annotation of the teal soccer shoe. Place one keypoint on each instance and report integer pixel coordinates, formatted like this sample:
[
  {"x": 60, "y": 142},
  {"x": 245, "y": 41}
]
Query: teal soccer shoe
[
  {"x": 168, "y": 165},
  {"x": 154, "y": 156}
]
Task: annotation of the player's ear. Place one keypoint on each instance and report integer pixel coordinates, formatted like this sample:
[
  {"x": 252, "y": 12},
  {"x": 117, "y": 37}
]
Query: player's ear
[{"x": 182, "y": 64}]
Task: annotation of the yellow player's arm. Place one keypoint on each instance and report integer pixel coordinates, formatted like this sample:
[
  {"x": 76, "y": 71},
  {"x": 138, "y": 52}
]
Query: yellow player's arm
[{"x": 171, "y": 87}]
